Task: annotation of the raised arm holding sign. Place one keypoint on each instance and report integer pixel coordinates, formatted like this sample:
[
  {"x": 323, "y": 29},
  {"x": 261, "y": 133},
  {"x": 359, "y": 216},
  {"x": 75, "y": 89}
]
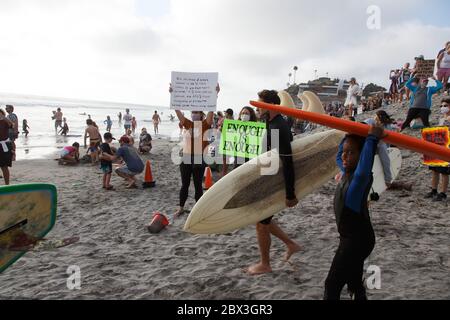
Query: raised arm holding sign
[{"x": 198, "y": 94}]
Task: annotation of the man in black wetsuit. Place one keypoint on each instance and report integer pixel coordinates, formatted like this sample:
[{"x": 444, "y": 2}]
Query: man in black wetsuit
[{"x": 267, "y": 227}]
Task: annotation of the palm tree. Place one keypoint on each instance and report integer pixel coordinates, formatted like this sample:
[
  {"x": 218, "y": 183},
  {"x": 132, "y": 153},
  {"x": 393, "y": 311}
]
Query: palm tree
[{"x": 295, "y": 73}]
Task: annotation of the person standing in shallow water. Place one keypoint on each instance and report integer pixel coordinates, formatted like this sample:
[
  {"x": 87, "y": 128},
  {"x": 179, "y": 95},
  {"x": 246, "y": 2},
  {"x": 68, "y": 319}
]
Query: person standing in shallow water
[{"x": 156, "y": 121}]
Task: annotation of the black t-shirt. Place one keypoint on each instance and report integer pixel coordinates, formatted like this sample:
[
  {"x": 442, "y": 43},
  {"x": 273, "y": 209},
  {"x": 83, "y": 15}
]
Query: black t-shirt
[{"x": 106, "y": 149}]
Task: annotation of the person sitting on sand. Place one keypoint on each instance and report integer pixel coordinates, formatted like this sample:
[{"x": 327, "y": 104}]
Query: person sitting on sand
[
  {"x": 133, "y": 163},
  {"x": 92, "y": 132},
  {"x": 130, "y": 136},
  {"x": 65, "y": 129},
  {"x": 70, "y": 154},
  {"x": 106, "y": 164},
  {"x": 6, "y": 147},
  {"x": 266, "y": 227},
  {"x": 357, "y": 238},
  {"x": 145, "y": 142},
  {"x": 25, "y": 128}
]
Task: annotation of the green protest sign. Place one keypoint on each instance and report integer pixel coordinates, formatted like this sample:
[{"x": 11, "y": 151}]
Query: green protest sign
[{"x": 242, "y": 139}]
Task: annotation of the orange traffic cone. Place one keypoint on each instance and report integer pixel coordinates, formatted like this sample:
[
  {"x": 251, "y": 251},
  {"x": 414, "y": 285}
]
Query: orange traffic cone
[
  {"x": 158, "y": 223},
  {"x": 208, "y": 179},
  {"x": 148, "y": 179}
]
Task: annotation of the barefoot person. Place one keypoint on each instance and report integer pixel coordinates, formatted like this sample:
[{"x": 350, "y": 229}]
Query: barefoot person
[
  {"x": 105, "y": 164},
  {"x": 357, "y": 238},
  {"x": 156, "y": 121},
  {"x": 5, "y": 146},
  {"x": 133, "y": 163},
  {"x": 70, "y": 154},
  {"x": 127, "y": 119},
  {"x": 93, "y": 134},
  {"x": 108, "y": 123},
  {"x": 265, "y": 228},
  {"x": 25, "y": 128},
  {"x": 194, "y": 145},
  {"x": 14, "y": 131},
  {"x": 58, "y": 119},
  {"x": 65, "y": 129},
  {"x": 145, "y": 142}
]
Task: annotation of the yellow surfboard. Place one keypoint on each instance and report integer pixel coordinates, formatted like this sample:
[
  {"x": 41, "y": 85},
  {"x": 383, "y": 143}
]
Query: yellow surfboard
[{"x": 24, "y": 209}]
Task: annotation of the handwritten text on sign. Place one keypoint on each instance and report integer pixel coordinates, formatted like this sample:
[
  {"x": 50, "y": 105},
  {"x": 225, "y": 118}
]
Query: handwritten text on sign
[
  {"x": 425, "y": 69},
  {"x": 440, "y": 136},
  {"x": 242, "y": 139},
  {"x": 194, "y": 91}
]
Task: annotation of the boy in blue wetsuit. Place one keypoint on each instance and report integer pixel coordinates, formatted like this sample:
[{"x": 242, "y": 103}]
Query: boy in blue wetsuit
[{"x": 357, "y": 238}]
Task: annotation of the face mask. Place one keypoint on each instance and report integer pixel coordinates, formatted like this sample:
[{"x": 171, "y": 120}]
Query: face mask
[
  {"x": 196, "y": 117},
  {"x": 245, "y": 117},
  {"x": 445, "y": 110}
]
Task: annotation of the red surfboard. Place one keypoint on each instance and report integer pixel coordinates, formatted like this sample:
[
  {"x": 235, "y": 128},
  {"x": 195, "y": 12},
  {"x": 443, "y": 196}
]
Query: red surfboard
[{"x": 397, "y": 139}]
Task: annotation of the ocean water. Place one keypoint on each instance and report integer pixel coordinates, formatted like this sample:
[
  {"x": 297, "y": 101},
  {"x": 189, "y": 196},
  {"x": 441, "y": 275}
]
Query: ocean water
[{"x": 42, "y": 142}]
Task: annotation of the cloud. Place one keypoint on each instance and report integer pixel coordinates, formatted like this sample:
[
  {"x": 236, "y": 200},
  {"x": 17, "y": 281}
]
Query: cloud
[{"x": 111, "y": 50}]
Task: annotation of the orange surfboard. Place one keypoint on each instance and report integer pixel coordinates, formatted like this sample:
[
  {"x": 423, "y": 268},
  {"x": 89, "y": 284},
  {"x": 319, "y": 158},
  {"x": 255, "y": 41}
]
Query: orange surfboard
[{"x": 397, "y": 139}]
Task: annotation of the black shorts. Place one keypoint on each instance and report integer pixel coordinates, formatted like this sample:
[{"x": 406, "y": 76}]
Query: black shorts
[
  {"x": 266, "y": 221},
  {"x": 441, "y": 170},
  {"x": 6, "y": 157}
]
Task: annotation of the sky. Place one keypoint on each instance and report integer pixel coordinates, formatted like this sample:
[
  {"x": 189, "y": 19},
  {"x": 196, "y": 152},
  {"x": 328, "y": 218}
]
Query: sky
[{"x": 125, "y": 50}]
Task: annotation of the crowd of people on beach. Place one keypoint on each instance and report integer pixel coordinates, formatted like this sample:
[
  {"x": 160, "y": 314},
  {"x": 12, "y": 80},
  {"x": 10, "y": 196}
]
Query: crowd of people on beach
[
  {"x": 355, "y": 159},
  {"x": 100, "y": 150}
]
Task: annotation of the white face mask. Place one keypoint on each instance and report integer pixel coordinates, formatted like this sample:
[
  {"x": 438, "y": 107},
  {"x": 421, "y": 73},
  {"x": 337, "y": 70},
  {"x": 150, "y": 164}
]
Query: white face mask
[
  {"x": 245, "y": 117},
  {"x": 445, "y": 110}
]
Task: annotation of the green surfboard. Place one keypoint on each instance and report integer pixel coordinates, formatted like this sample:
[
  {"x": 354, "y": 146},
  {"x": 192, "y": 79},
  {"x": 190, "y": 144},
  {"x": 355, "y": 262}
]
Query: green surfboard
[{"x": 29, "y": 209}]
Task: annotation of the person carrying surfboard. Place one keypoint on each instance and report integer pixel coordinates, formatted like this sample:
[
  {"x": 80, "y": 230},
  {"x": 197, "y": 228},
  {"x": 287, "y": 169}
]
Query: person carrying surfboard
[
  {"x": 357, "y": 238},
  {"x": 192, "y": 163},
  {"x": 265, "y": 228}
]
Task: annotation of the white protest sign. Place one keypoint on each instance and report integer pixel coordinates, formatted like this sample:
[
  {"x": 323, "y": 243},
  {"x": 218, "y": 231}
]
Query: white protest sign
[{"x": 194, "y": 91}]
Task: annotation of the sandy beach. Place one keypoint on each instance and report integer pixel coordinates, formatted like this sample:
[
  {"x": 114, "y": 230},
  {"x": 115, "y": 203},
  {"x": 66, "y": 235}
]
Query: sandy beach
[{"x": 120, "y": 259}]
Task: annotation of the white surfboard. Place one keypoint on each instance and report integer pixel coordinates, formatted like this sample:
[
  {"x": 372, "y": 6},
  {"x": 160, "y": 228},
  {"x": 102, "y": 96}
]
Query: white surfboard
[
  {"x": 379, "y": 184},
  {"x": 247, "y": 195}
]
